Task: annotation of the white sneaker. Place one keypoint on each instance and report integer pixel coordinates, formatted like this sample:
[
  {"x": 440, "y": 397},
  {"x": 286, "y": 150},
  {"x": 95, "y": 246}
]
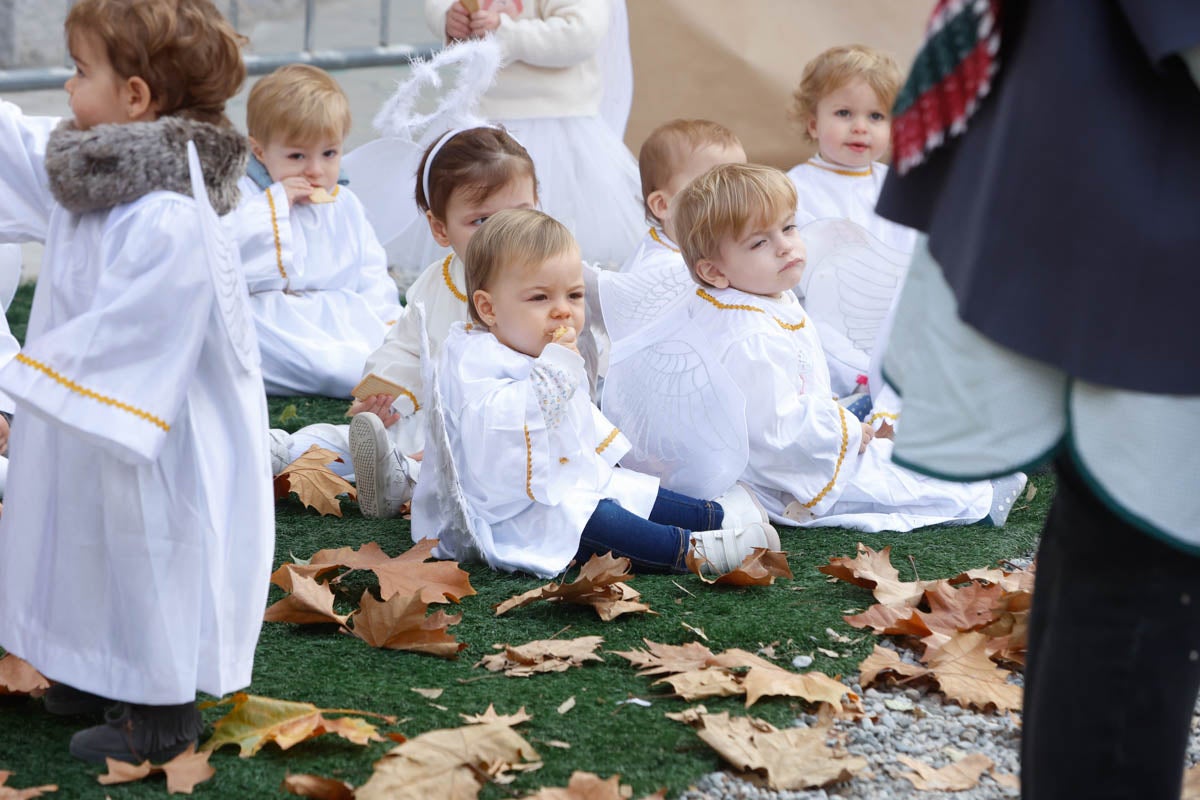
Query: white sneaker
[
  {"x": 1005, "y": 492},
  {"x": 281, "y": 450},
  {"x": 380, "y": 474},
  {"x": 741, "y": 508},
  {"x": 722, "y": 551}
]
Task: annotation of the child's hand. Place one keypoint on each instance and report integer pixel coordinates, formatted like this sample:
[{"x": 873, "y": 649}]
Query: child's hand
[
  {"x": 867, "y": 436},
  {"x": 484, "y": 22},
  {"x": 565, "y": 336},
  {"x": 378, "y": 404},
  {"x": 4, "y": 429},
  {"x": 886, "y": 431},
  {"x": 298, "y": 189},
  {"x": 458, "y": 22}
]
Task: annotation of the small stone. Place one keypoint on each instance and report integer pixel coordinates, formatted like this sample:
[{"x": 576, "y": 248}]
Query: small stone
[{"x": 801, "y": 662}]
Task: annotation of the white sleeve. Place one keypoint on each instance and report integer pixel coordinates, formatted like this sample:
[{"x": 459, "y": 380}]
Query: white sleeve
[
  {"x": 262, "y": 225},
  {"x": 568, "y": 32},
  {"x": 885, "y": 407},
  {"x": 9, "y": 347},
  {"x": 798, "y": 440},
  {"x": 118, "y": 372},
  {"x": 25, "y": 198}
]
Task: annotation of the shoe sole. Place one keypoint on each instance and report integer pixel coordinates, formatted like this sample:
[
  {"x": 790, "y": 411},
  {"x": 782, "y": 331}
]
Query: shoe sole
[{"x": 364, "y": 455}]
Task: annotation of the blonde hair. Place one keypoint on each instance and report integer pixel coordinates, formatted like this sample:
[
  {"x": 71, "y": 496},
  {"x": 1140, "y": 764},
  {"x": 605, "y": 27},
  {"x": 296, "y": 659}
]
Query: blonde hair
[
  {"x": 185, "y": 50},
  {"x": 297, "y": 104},
  {"x": 724, "y": 203},
  {"x": 515, "y": 237},
  {"x": 667, "y": 147},
  {"x": 836, "y": 67}
]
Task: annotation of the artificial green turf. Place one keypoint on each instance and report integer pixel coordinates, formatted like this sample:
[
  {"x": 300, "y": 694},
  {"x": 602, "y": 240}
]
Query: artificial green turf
[{"x": 319, "y": 665}]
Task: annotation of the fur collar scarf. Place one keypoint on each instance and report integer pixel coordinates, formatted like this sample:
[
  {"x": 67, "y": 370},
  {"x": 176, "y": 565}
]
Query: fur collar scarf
[{"x": 109, "y": 165}]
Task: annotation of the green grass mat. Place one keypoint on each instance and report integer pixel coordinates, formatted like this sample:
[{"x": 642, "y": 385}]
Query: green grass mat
[{"x": 319, "y": 665}]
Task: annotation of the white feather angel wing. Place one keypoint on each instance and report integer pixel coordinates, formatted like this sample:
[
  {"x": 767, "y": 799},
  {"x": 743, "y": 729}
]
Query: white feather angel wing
[
  {"x": 679, "y": 408},
  {"x": 439, "y": 95},
  {"x": 629, "y": 301},
  {"x": 232, "y": 295},
  {"x": 850, "y": 281}
]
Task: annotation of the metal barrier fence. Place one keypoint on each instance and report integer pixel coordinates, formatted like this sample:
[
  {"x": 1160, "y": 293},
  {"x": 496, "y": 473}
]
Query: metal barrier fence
[{"x": 383, "y": 55}]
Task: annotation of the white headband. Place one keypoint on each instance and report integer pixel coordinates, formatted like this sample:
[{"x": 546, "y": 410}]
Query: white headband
[{"x": 441, "y": 142}]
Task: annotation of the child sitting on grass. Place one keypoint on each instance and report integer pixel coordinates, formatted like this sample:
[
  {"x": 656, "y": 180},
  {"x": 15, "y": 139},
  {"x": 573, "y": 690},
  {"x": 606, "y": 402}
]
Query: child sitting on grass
[
  {"x": 533, "y": 455},
  {"x": 136, "y": 542},
  {"x": 809, "y": 462},
  {"x": 319, "y": 286}
]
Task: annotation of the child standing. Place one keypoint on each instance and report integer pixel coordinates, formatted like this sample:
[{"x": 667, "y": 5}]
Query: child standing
[
  {"x": 809, "y": 461},
  {"x": 548, "y": 95},
  {"x": 535, "y": 457},
  {"x": 137, "y": 540},
  {"x": 319, "y": 286}
]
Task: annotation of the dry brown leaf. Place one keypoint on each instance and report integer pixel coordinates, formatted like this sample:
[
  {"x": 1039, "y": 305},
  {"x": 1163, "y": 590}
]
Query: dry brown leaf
[
  {"x": 659, "y": 659},
  {"x": 760, "y": 568},
  {"x": 689, "y": 716},
  {"x": 288, "y": 572},
  {"x": 317, "y": 788},
  {"x": 429, "y": 694},
  {"x": 599, "y": 585},
  {"x": 314, "y": 483},
  {"x": 543, "y": 655},
  {"x": 883, "y": 663},
  {"x": 451, "y": 764},
  {"x": 792, "y": 759},
  {"x": 891, "y": 620},
  {"x": 490, "y": 716},
  {"x": 254, "y": 721},
  {"x": 585, "y": 786},
  {"x": 965, "y": 674},
  {"x": 411, "y": 573},
  {"x": 365, "y": 557},
  {"x": 1010, "y": 781},
  {"x": 309, "y": 602},
  {"x": 399, "y": 623},
  {"x": 815, "y": 687},
  {"x": 701, "y": 683},
  {"x": 18, "y": 677},
  {"x": 873, "y": 570},
  {"x": 955, "y": 777},
  {"x": 952, "y": 610},
  {"x": 183, "y": 772},
  {"x": 13, "y": 793}
]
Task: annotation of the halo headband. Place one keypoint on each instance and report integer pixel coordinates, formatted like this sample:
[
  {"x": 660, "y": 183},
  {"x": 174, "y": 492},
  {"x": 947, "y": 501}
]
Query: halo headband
[{"x": 441, "y": 142}]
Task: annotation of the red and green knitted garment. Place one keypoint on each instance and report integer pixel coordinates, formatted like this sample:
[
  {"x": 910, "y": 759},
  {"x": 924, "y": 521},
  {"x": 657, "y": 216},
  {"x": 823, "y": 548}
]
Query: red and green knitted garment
[{"x": 952, "y": 72}]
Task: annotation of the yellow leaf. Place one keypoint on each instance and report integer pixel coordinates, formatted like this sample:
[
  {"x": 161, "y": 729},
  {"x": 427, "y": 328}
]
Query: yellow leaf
[
  {"x": 314, "y": 483},
  {"x": 18, "y": 677},
  {"x": 255, "y": 720},
  {"x": 955, "y": 777},
  {"x": 399, "y": 623}
]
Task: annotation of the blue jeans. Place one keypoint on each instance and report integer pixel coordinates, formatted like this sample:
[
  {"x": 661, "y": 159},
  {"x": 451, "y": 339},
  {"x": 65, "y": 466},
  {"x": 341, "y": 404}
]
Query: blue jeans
[{"x": 658, "y": 544}]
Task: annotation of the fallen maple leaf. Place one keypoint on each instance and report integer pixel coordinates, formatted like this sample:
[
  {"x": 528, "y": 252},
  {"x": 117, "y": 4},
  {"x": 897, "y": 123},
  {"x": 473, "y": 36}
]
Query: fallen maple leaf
[
  {"x": 314, "y": 483},
  {"x": 588, "y": 786},
  {"x": 543, "y": 655},
  {"x": 598, "y": 585},
  {"x": 450, "y": 764},
  {"x": 1010, "y": 781},
  {"x": 255, "y": 720},
  {"x": 365, "y": 557},
  {"x": 952, "y": 610},
  {"x": 12, "y": 793},
  {"x": 791, "y": 759},
  {"x": 891, "y": 620},
  {"x": 18, "y": 677},
  {"x": 815, "y": 687},
  {"x": 399, "y": 623},
  {"x": 873, "y": 570},
  {"x": 659, "y": 659},
  {"x": 883, "y": 663},
  {"x": 183, "y": 772},
  {"x": 760, "y": 568},
  {"x": 310, "y": 602},
  {"x": 490, "y": 716},
  {"x": 410, "y": 572},
  {"x": 957, "y": 776},
  {"x": 965, "y": 674},
  {"x": 317, "y": 788}
]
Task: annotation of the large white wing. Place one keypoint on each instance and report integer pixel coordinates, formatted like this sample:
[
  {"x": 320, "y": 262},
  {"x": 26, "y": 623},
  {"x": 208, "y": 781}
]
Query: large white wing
[
  {"x": 232, "y": 295},
  {"x": 683, "y": 414},
  {"x": 629, "y": 301},
  {"x": 850, "y": 281},
  {"x": 437, "y": 465}
]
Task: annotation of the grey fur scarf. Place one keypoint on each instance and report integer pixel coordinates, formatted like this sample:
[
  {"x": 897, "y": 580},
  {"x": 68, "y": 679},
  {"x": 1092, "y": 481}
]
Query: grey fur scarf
[{"x": 109, "y": 165}]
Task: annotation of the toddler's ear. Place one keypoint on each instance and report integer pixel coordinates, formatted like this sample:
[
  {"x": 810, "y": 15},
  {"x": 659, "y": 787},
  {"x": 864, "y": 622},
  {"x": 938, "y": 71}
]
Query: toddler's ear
[
  {"x": 438, "y": 229},
  {"x": 657, "y": 201},
  {"x": 483, "y": 307},
  {"x": 711, "y": 273},
  {"x": 256, "y": 148}
]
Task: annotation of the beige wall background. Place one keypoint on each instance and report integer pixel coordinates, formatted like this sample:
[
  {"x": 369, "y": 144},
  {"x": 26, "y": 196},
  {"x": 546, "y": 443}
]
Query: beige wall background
[{"x": 738, "y": 63}]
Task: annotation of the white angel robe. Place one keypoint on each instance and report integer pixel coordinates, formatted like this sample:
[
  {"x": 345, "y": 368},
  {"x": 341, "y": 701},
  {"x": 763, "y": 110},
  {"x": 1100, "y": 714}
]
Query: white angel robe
[
  {"x": 801, "y": 447},
  {"x": 655, "y": 250},
  {"x": 137, "y": 534},
  {"x": 533, "y": 455},
  {"x": 828, "y": 191},
  {"x": 319, "y": 288}
]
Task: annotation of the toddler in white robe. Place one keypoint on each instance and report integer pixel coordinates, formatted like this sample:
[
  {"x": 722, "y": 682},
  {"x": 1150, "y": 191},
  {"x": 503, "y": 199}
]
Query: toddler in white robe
[
  {"x": 319, "y": 286},
  {"x": 137, "y": 537},
  {"x": 533, "y": 456},
  {"x": 843, "y": 105},
  {"x": 807, "y": 459}
]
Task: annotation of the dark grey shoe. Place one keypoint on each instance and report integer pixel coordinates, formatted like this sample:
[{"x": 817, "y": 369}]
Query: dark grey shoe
[
  {"x": 136, "y": 733},
  {"x": 67, "y": 701}
]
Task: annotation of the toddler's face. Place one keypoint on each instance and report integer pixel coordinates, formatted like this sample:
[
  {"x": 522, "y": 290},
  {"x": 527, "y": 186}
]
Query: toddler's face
[
  {"x": 464, "y": 216},
  {"x": 317, "y": 162},
  {"x": 526, "y": 304},
  {"x": 767, "y": 260},
  {"x": 698, "y": 162},
  {"x": 95, "y": 91},
  {"x": 852, "y": 127}
]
